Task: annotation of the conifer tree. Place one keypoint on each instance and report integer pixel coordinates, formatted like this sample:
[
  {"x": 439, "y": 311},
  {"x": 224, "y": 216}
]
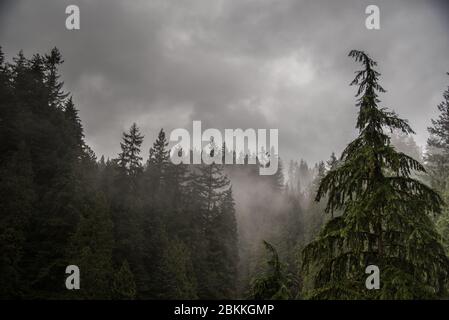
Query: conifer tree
[
  {"x": 177, "y": 274},
  {"x": 277, "y": 179},
  {"x": 209, "y": 183},
  {"x": 91, "y": 248},
  {"x": 123, "y": 286},
  {"x": 272, "y": 282},
  {"x": 127, "y": 207},
  {"x": 159, "y": 216},
  {"x": 17, "y": 197},
  {"x": 157, "y": 164},
  {"x": 159, "y": 154},
  {"x": 385, "y": 220},
  {"x": 437, "y": 163},
  {"x": 55, "y": 94},
  {"x": 213, "y": 232},
  {"x": 75, "y": 128},
  {"x": 129, "y": 159},
  {"x": 222, "y": 248},
  {"x": 437, "y": 157},
  {"x": 320, "y": 172}
]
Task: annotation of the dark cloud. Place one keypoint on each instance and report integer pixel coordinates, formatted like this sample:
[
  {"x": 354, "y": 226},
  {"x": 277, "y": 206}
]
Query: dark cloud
[{"x": 246, "y": 63}]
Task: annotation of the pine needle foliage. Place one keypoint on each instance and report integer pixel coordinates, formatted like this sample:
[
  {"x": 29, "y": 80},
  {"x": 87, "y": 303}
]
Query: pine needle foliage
[{"x": 386, "y": 214}]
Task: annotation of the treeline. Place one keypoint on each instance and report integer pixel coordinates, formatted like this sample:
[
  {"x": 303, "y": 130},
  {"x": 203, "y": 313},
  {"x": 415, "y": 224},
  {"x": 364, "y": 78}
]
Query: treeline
[
  {"x": 136, "y": 228},
  {"x": 140, "y": 227}
]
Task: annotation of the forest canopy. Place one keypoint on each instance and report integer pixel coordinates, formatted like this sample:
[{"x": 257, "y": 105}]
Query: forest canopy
[{"x": 140, "y": 227}]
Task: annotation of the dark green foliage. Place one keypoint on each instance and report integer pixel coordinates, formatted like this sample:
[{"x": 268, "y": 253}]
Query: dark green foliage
[
  {"x": 214, "y": 238},
  {"x": 177, "y": 272},
  {"x": 42, "y": 158},
  {"x": 169, "y": 231},
  {"x": 134, "y": 231},
  {"x": 272, "y": 282},
  {"x": 123, "y": 286},
  {"x": 91, "y": 250},
  {"x": 385, "y": 218}
]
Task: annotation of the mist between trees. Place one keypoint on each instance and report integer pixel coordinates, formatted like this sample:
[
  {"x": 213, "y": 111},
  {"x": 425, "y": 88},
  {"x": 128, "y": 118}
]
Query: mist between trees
[{"x": 140, "y": 227}]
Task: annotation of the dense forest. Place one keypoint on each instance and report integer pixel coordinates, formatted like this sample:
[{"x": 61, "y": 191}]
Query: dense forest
[{"x": 140, "y": 227}]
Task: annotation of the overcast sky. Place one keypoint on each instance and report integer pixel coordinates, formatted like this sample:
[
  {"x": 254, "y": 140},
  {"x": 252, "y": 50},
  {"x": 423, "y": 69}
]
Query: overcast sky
[{"x": 236, "y": 64}]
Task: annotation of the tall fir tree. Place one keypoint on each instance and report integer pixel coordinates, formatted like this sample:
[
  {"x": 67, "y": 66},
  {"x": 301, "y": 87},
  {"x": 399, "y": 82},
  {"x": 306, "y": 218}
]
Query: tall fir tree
[
  {"x": 385, "y": 220},
  {"x": 127, "y": 208},
  {"x": 212, "y": 212}
]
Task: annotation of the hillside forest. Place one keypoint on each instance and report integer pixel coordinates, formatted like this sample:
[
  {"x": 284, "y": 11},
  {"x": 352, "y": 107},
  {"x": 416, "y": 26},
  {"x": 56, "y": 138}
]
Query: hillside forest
[{"x": 140, "y": 227}]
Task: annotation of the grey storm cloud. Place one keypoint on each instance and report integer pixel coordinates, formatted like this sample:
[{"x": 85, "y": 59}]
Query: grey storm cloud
[{"x": 236, "y": 64}]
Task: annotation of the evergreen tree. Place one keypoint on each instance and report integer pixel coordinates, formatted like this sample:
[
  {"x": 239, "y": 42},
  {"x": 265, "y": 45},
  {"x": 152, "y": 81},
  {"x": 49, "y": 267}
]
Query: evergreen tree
[
  {"x": 156, "y": 171},
  {"x": 271, "y": 283},
  {"x": 437, "y": 157},
  {"x": 17, "y": 198},
  {"x": 123, "y": 286},
  {"x": 385, "y": 220},
  {"x": 320, "y": 173},
  {"x": 277, "y": 179},
  {"x": 210, "y": 183},
  {"x": 177, "y": 274},
  {"x": 127, "y": 208},
  {"x": 222, "y": 256},
  {"x": 159, "y": 213},
  {"x": 129, "y": 159},
  {"x": 214, "y": 234},
  {"x": 55, "y": 94},
  {"x": 91, "y": 250},
  {"x": 75, "y": 128},
  {"x": 159, "y": 154}
]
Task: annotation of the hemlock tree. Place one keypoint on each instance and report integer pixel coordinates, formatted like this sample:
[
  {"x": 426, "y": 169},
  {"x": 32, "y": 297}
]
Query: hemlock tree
[{"x": 385, "y": 213}]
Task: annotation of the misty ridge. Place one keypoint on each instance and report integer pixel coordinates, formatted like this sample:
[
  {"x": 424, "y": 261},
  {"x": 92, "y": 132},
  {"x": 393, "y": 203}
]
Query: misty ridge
[{"x": 140, "y": 227}]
